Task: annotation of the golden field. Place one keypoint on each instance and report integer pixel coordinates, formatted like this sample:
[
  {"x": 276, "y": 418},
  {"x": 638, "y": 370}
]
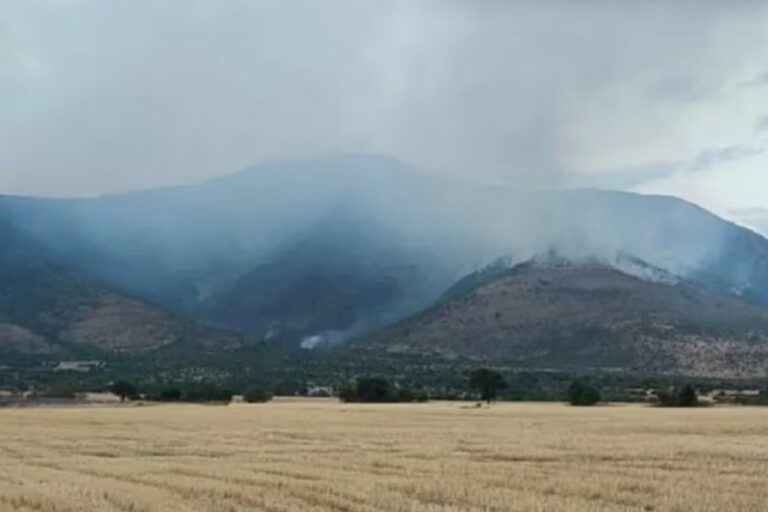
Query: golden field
[{"x": 295, "y": 455}]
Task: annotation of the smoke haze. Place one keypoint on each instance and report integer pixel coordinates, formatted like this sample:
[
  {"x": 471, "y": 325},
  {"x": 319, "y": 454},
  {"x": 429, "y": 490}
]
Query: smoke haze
[{"x": 104, "y": 97}]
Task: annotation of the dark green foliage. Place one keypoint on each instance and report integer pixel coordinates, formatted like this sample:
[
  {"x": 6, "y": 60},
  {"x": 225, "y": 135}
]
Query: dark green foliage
[
  {"x": 125, "y": 390},
  {"x": 761, "y": 399},
  {"x": 582, "y": 394},
  {"x": 373, "y": 389},
  {"x": 666, "y": 398},
  {"x": 408, "y": 395},
  {"x": 207, "y": 393},
  {"x": 198, "y": 393},
  {"x": 378, "y": 390},
  {"x": 348, "y": 393},
  {"x": 257, "y": 396},
  {"x": 688, "y": 397},
  {"x": 684, "y": 397},
  {"x": 488, "y": 383},
  {"x": 60, "y": 389},
  {"x": 170, "y": 395}
]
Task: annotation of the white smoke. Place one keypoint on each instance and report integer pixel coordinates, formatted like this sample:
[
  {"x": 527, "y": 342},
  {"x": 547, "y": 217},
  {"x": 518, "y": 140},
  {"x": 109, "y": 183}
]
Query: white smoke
[{"x": 322, "y": 338}]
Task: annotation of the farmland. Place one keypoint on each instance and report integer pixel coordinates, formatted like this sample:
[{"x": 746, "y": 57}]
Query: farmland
[{"x": 296, "y": 455}]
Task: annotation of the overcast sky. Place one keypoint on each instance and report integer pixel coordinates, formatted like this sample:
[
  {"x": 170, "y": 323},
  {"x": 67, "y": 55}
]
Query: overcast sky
[{"x": 107, "y": 96}]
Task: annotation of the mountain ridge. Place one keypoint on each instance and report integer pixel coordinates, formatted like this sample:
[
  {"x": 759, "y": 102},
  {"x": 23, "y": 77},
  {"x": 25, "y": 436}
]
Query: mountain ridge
[
  {"x": 198, "y": 250},
  {"x": 587, "y": 316}
]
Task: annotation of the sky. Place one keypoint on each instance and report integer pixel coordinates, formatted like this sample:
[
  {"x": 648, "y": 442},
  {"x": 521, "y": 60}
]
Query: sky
[{"x": 656, "y": 97}]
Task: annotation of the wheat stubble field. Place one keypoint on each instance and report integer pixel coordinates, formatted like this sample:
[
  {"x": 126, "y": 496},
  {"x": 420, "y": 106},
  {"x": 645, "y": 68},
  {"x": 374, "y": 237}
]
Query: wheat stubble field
[{"x": 321, "y": 455}]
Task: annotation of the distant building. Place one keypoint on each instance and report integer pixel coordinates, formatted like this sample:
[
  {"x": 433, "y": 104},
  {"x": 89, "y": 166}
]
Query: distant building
[
  {"x": 320, "y": 391},
  {"x": 77, "y": 366},
  {"x": 732, "y": 395}
]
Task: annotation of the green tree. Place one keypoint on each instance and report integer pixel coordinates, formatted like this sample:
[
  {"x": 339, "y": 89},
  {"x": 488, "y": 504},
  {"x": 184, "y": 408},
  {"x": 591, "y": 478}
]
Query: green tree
[
  {"x": 373, "y": 389},
  {"x": 582, "y": 394},
  {"x": 124, "y": 389},
  {"x": 488, "y": 383},
  {"x": 170, "y": 395},
  {"x": 688, "y": 397},
  {"x": 348, "y": 393},
  {"x": 257, "y": 396}
]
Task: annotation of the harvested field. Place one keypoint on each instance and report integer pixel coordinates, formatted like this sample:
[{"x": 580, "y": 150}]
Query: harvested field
[{"x": 298, "y": 455}]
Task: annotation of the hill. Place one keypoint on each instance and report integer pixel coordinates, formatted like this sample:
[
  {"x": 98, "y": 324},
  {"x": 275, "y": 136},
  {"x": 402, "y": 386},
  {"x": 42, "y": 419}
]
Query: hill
[
  {"x": 328, "y": 285},
  {"x": 555, "y": 314},
  {"x": 50, "y": 309},
  {"x": 340, "y": 245}
]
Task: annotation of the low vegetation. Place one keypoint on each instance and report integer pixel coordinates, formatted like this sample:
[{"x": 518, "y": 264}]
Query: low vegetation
[
  {"x": 125, "y": 390},
  {"x": 686, "y": 396},
  {"x": 378, "y": 390},
  {"x": 257, "y": 396},
  {"x": 488, "y": 383},
  {"x": 582, "y": 394}
]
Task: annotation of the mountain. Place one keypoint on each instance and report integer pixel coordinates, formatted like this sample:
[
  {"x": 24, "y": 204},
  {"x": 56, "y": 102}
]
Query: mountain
[
  {"x": 329, "y": 284},
  {"x": 47, "y": 308},
  {"x": 337, "y": 246},
  {"x": 556, "y": 314}
]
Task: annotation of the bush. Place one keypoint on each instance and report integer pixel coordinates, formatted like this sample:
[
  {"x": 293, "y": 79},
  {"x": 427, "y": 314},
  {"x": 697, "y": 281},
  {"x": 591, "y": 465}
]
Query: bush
[
  {"x": 488, "y": 383},
  {"x": 688, "y": 397},
  {"x": 582, "y": 394},
  {"x": 169, "y": 395},
  {"x": 125, "y": 390},
  {"x": 348, "y": 393},
  {"x": 378, "y": 390},
  {"x": 374, "y": 389},
  {"x": 208, "y": 393},
  {"x": 685, "y": 397},
  {"x": 257, "y": 396}
]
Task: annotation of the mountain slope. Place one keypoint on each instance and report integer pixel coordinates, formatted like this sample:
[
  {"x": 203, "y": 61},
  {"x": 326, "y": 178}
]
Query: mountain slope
[
  {"x": 48, "y": 308},
  {"x": 331, "y": 283},
  {"x": 362, "y": 240},
  {"x": 589, "y": 315}
]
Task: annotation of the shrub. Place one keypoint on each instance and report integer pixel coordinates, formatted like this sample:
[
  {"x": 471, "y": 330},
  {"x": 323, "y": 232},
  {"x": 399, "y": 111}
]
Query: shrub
[
  {"x": 373, "y": 389},
  {"x": 378, "y": 390},
  {"x": 688, "y": 397},
  {"x": 348, "y": 393},
  {"x": 169, "y": 395},
  {"x": 208, "y": 393},
  {"x": 257, "y": 396},
  {"x": 488, "y": 383},
  {"x": 125, "y": 390},
  {"x": 582, "y": 394},
  {"x": 685, "y": 397}
]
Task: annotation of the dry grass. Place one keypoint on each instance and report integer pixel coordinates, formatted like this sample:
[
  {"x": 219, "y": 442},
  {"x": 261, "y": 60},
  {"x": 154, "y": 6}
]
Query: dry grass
[{"x": 318, "y": 455}]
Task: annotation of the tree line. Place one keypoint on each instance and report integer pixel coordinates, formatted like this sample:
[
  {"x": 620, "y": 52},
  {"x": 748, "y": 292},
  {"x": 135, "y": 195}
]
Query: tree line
[{"x": 486, "y": 385}]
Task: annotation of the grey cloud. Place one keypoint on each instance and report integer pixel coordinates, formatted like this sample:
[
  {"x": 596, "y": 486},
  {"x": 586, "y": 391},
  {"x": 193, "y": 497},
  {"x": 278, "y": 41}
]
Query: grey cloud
[
  {"x": 762, "y": 78},
  {"x": 710, "y": 157},
  {"x": 630, "y": 178},
  {"x": 101, "y": 97},
  {"x": 681, "y": 88},
  {"x": 761, "y": 125},
  {"x": 623, "y": 179}
]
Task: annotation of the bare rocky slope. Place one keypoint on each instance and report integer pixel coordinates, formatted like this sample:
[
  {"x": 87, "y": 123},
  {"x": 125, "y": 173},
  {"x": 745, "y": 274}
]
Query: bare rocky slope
[{"x": 585, "y": 316}]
